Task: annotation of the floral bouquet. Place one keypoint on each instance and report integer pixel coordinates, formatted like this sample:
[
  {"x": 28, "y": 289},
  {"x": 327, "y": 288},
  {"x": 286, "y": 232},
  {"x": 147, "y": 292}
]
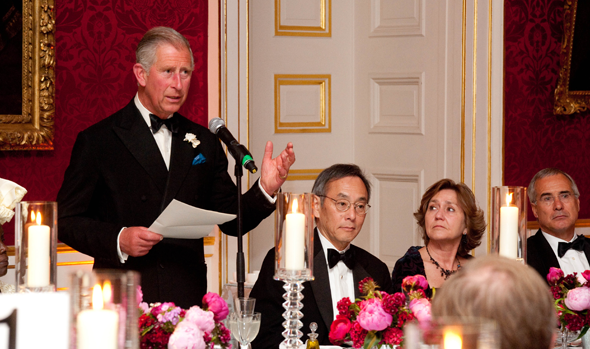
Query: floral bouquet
[
  {"x": 379, "y": 318},
  {"x": 164, "y": 325},
  {"x": 572, "y": 299}
]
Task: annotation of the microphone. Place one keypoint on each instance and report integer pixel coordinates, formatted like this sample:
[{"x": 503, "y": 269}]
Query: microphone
[{"x": 238, "y": 151}]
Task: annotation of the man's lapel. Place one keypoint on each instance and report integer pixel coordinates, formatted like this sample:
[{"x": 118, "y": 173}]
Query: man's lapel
[
  {"x": 358, "y": 273},
  {"x": 181, "y": 157},
  {"x": 321, "y": 283},
  {"x": 587, "y": 248},
  {"x": 546, "y": 250},
  {"x": 137, "y": 137}
]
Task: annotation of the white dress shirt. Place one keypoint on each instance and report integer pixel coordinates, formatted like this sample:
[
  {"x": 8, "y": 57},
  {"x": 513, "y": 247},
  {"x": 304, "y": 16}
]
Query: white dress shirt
[
  {"x": 341, "y": 278},
  {"x": 572, "y": 261}
]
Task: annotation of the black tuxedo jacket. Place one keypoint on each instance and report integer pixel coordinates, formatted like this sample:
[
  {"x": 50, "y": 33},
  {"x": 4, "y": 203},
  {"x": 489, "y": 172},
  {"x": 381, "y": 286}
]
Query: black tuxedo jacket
[
  {"x": 541, "y": 257},
  {"x": 117, "y": 178},
  {"x": 317, "y": 297}
]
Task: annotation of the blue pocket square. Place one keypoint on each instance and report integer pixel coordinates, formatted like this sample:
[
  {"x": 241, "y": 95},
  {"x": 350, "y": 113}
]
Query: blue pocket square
[{"x": 199, "y": 159}]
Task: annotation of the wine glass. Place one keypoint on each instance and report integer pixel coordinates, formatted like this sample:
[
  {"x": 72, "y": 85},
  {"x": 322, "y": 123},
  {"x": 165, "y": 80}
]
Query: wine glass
[
  {"x": 244, "y": 305},
  {"x": 244, "y": 327}
]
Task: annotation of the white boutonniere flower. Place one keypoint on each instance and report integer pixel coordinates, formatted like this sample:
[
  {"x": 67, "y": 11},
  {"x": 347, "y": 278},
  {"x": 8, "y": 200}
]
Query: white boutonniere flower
[{"x": 189, "y": 137}]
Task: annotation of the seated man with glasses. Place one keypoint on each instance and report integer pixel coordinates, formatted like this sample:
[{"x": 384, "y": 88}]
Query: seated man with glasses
[
  {"x": 340, "y": 206},
  {"x": 555, "y": 201}
]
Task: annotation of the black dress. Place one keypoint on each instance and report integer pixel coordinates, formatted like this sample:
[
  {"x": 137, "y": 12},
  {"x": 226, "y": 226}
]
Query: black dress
[{"x": 409, "y": 265}]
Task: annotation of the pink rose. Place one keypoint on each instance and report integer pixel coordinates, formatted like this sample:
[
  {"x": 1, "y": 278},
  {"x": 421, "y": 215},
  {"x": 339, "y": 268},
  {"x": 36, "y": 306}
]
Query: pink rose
[
  {"x": 372, "y": 316},
  {"x": 554, "y": 275},
  {"x": 145, "y": 308},
  {"x": 421, "y": 309},
  {"x": 416, "y": 282},
  {"x": 214, "y": 303},
  {"x": 186, "y": 336},
  {"x": 339, "y": 329},
  {"x": 578, "y": 299},
  {"x": 202, "y": 319},
  {"x": 586, "y": 275}
]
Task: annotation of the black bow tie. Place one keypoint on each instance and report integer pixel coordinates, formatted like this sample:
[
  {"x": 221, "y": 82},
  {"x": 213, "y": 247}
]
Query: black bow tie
[
  {"x": 171, "y": 123},
  {"x": 347, "y": 257},
  {"x": 577, "y": 244}
]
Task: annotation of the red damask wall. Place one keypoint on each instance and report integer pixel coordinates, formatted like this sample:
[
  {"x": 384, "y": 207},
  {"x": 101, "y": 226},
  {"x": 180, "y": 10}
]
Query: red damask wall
[
  {"x": 534, "y": 138},
  {"x": 95, "y": 50}
]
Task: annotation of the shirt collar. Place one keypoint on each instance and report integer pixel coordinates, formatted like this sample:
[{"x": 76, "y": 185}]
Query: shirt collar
[
  {"x": 326, "y": 244},
  {"x": 554, "y": 241},
  {"x": 145, "y": 113}
]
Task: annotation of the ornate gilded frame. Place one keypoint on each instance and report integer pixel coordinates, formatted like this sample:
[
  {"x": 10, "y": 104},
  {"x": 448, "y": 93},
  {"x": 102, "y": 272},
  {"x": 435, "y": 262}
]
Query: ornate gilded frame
[
  {"x": 570, "y": 101},
  {"x": 33, "y": 130}
]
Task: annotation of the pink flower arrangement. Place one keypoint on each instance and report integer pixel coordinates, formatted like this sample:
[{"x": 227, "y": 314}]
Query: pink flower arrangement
[
  {"x": 572, "y": 298},
  {"x": 379, "y": 318},
  {"x": 164, "y": 325}
]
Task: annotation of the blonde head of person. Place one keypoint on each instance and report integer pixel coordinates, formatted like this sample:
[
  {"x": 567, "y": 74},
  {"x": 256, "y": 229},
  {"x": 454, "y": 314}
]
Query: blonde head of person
[{"x": 504, "y": 290}]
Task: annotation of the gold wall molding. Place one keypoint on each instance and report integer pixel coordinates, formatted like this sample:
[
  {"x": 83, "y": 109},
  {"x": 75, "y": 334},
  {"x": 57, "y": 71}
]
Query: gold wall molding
[
  {"x": 323, "y": 117},
  {"x": 33, "y": 129},
  {"x": 303, "y": 174},
  {"x": 322, "y": 29}
]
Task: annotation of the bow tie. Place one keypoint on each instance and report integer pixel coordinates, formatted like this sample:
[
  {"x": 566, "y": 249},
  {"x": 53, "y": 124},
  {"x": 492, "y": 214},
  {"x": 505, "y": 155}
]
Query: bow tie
[
  {"x": 577, "y": 244},
  {"x": 171, "y": 123},
  {"x": 347, "y": 257}
]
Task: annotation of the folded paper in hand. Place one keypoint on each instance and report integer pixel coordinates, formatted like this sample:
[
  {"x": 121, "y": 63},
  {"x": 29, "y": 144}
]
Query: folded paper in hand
[{"x": 182, "y": 221}]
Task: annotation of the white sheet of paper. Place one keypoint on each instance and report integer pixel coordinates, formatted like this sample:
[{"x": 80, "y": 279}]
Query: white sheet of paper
[{"x": 182, "y": 221}]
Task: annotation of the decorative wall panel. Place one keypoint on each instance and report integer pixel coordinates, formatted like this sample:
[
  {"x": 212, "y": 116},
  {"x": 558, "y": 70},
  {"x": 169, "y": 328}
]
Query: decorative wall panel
[
  {"x": 397, "y": 18},
  {"x": 303, "y": 18},
  {"x": 394, "y": 195},
  {"x": 397, "y": 103},
  {"x": 302, "y": 103}
]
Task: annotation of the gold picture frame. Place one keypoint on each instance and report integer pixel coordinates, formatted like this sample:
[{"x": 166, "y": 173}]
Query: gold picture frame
[
  {"x": 572, "y": 94},
  {"x": 33, "y": 129}
]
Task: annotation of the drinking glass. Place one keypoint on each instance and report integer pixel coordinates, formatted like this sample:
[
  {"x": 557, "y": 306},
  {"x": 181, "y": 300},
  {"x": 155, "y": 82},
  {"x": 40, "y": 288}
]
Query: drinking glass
[
  {"x": 244, "y": 327},
  {"x": 244, "y": 305}
]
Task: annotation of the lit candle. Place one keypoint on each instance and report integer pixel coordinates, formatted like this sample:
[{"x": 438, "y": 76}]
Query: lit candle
[
  {"x": 38, "y": 254},
  {"x": 509, "y": 229},
  {"x": 294, "y": 239},
  {"x": 97, "y": 328},
  {"x": 452, "y": 340}
]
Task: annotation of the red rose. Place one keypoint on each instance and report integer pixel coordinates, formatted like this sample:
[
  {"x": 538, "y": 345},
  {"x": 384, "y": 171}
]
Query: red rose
[{"x": 339, "y": 329}]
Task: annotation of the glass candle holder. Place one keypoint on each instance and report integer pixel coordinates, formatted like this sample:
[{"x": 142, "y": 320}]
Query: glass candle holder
[
  {"x": 36, "y": 246},
  {"x": 453, "y": 333},
  {"x": 104, "y": 309},
  {"x": 508, "y": 222},
  {"x": 293, "y": 258}
]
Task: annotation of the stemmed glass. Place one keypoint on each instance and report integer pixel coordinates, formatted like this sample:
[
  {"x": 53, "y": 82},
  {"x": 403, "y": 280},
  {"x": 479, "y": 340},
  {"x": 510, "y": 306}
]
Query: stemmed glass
[{"x": 244, "y": 327}]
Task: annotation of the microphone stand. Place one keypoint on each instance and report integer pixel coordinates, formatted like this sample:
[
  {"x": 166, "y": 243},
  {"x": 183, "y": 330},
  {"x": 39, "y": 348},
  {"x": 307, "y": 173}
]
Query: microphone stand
[{"x": 240, "y": 267}]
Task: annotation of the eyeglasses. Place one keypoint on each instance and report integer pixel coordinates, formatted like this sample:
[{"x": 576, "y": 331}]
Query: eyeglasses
[
  {"x": 548, "y": 200},
  {"x": 342, "y": 205}
]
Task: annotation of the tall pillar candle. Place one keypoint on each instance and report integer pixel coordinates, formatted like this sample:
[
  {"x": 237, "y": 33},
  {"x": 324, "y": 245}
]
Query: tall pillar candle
[
  {"x": 38, "y": 254},
  {"x": 97, "y": 328},
  {"x": 295, "y": 239},
  {"x": 509, "y": 229}
]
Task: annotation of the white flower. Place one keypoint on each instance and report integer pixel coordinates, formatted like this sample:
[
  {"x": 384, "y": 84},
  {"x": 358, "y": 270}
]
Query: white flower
[{"x": 189, "y": 137}]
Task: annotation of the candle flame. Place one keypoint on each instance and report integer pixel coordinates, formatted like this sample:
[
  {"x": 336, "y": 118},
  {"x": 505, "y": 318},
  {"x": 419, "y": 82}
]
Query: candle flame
[
  {"x": 508, "y": 199},
  {"x": 107, "y": 292},
  {"x": 38, "y": 220},
  {"x": 32, "y": 216},
  {"x": 97, "y": 302},
  {"x": 295, "y": 206},
  {"x": 452, "y": 340}
]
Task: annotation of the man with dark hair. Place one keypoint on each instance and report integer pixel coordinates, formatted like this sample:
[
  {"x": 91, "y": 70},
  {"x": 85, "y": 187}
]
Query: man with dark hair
[
  {"x": 341, "y": 201},
  {"x": 555, "y": 202},
  {"x": 126, "y": 169}
]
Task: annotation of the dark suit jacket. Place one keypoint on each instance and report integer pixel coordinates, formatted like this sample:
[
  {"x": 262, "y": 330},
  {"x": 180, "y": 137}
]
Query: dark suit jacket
[
  {"x": 317, "y": 298},
  {"x": 540, "y": 256},
  {"x": 117, "y": 178}
]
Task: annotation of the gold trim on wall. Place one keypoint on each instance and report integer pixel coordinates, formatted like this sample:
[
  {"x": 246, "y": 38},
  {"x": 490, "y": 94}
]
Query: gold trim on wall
[
  {"x": 303, "y": 174},
  {"x": 324, "y": 124},
  {"x": 323, "y": 30},
  {"x": 568, "y": 102},
  {"x": 580, "y": 223},
  {"x": 33, "y": 129}
]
